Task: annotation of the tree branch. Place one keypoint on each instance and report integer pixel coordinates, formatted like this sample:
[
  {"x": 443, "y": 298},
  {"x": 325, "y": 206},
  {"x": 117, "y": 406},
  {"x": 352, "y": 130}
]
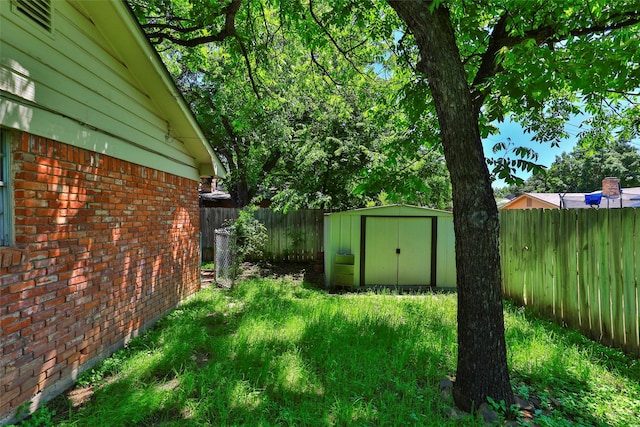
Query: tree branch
[
  {"x": 172, "y": 27},
  {"x": 344, "y": 53},
  {"x": 226, "y": 123},
  {"x": 249, "y": 69},
  {"x": 322, "y": 69},
  {"x": 626, "y": 95},
  {"x": 229, "y": 30},
  {"x": 271, "y": 162},
  {"x": 500, "y": 38}
]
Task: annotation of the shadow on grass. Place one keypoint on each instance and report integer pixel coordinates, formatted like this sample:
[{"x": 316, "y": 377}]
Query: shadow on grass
[
  {"x": 577, "y": 376},
  {"x": 274, "y": 352},
  {"x": 284, "y": 354}
]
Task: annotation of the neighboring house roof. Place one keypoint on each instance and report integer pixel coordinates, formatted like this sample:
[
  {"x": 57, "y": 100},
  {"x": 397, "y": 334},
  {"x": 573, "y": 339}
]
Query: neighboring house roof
[
  {"x": 630, "y": 197},
  {"x": 92, "y": 79}
]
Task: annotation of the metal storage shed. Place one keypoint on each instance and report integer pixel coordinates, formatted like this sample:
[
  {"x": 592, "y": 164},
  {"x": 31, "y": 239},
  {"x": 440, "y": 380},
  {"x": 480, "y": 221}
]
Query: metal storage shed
[{"x": 397, "y": 246}]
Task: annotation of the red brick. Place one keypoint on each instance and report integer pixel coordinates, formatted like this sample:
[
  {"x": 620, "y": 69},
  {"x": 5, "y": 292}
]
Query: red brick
[
  {"x": 93, "y": 249},
  {"x": 20, "y": 286},
  {"x": 53, "y": 373},
  {"x": 31, "y": 329},
  {"x": 9, "y": 396},
  {"x": 9, "y": 319},
  {"x": 16, "y": 326},
  {"x": 33, "y": 292},
  {"x": 45, "y": 333}
]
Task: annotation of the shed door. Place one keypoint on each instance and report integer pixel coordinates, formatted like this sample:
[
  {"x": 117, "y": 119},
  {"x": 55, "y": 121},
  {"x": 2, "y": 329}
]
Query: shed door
[{"x": 397, "y": 251}]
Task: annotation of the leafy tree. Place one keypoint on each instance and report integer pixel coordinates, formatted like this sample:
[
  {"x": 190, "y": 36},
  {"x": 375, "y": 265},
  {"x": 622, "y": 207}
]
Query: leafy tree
[
  {"x": 482, "y": 60},
  {"x": 466, "y": 65},
  {"x": 294, "y": 120},
  {"x": 582, "y": 170}
]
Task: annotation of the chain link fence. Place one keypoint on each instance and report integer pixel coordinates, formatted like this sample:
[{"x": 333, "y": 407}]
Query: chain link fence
[{"x": 225, "y": 262}]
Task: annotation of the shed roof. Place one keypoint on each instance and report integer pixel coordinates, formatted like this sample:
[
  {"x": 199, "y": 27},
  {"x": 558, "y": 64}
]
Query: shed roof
[{"x": 394, "y": 210}]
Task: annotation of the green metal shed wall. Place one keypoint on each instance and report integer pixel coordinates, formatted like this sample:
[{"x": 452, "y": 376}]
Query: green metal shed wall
[{"x": 343, "y": 235}]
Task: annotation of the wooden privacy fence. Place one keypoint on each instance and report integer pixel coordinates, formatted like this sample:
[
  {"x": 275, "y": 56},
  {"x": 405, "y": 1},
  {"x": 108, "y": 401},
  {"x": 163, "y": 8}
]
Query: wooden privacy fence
[
  {"x": 578, "y": 266},
  {"x": 294, "y": 236}
]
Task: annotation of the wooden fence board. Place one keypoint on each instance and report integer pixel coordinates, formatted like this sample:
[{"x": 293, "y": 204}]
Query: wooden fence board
[
  {"x": 570, "y": 294},
  {"x": 295, "y": 236},
  {"x": 527, "y": 254},
  {"x": 551, "y": 245},
  {"x": 636, "y": 251},
  {"x": 514, "y": 261},
  {"x": 595, "y": 281},
  {"x": 631, "y": 255},
  {"x": 579, "y": 267},
  {"x": 637, "y": 277},
  {"x": 560, "y": 276},
  {"x": 605, "y": 278},
  {"x": 537, "y": 248},
  {"x": 519, "y": 265},
  {"x": 505, "y": 243},
  {"x": 584, "y": 270},
  {"x": 616, "y": 277}
]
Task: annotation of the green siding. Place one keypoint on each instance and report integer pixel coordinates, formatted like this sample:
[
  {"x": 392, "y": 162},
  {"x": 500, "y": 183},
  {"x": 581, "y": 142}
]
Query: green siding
[{"x": 76, "y": 86}]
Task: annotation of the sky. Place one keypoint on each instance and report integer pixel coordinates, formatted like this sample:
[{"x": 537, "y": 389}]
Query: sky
[{"x": 546, "y": 153}]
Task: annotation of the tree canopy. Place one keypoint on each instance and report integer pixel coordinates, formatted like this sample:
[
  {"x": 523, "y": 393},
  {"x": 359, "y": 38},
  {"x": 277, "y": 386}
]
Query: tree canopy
[{"x": 296, "y": 118}]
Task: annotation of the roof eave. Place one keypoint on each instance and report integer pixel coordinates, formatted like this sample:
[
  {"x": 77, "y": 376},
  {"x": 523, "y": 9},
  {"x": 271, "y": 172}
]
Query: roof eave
[{"x": 117, "y": 21}]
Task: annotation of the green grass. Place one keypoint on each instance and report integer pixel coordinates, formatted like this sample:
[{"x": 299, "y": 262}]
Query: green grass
[
  {"x": 274, "y": 352},
  {"x": 207, "y": 265}
]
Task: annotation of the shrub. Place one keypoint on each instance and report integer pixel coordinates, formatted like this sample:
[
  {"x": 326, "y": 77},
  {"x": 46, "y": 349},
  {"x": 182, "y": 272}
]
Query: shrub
[{"x": 248, "y": 238}]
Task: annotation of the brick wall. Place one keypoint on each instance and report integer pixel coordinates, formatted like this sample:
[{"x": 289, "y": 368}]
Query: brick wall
[{"x": 103, "y": 248}]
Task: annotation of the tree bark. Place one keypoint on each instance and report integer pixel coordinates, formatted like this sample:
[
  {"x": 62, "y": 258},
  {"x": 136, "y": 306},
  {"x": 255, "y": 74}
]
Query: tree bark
[{"x": 482, "y": 362}]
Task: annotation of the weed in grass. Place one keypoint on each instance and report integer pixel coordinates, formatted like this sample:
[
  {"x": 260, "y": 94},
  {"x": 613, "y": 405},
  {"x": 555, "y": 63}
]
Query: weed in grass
[{"x": 43, "y": 417}]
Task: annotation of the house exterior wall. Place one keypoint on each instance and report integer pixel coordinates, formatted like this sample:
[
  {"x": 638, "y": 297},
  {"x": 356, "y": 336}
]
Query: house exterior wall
[
  {"x": 89, "y": 83},
  {"x": 343, "y": 235},
  {"x": 103, "y": 248}
]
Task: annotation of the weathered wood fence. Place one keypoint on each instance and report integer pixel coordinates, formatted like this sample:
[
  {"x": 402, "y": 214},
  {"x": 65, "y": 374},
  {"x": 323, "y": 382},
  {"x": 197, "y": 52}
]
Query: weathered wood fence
[
  {"x": 578, "y": 266},
  {"x": 295, "y": 236}
]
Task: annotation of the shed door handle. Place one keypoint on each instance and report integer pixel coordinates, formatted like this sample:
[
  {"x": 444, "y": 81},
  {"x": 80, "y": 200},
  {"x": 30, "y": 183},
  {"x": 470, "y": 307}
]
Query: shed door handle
[{"x": 397, "y": 250}]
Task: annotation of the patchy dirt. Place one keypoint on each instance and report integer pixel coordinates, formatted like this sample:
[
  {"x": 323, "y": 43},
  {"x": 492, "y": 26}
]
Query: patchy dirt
[
  {"x": 79, "y": 396},
  {"x": 310, "y": 272},
  {"x": 208, "y": 277}
]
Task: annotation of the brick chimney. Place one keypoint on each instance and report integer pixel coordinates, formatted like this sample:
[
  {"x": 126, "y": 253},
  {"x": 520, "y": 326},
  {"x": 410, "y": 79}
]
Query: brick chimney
[
  {"x": 205, "y": 184},
  {"x": 611, "y": 187}
]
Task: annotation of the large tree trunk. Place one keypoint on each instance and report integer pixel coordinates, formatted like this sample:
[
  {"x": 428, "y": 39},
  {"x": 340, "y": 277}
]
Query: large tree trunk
[
  {"x": 241, "y": 194},
  {"x": 482, "y": 362}
]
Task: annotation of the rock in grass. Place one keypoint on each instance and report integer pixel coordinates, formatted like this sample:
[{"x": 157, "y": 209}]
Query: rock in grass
[
  {"x": 455, "y": 413},
  {"x": 488, "y": 415},
  {"x": 446, "y": 389}
]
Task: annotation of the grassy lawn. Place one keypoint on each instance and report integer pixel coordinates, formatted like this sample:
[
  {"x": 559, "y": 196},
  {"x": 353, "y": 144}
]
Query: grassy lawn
[{"x": 277, "y": 352}]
